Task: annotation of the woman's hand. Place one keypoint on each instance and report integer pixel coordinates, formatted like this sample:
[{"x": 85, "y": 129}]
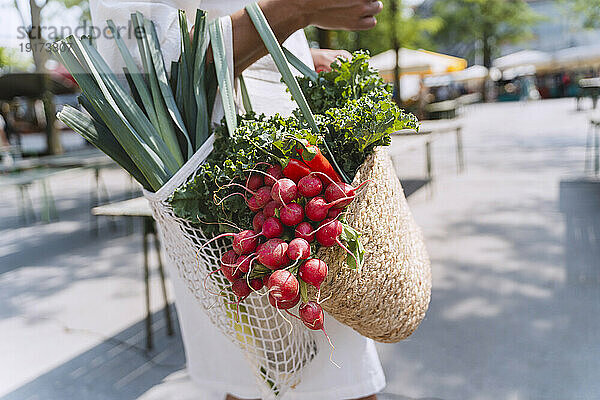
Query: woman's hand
[
  {"x": 340, "y": 14},
  {"x": 323, "y": 58}
]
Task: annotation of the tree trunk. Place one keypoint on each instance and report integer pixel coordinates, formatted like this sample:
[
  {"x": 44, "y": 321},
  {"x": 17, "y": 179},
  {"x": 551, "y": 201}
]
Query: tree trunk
[
  {"x": 487, "y": 62},
  {"x": 40, "y": 56},
  {"x": 396, "y": 46},
  {"x": 487, "y": 53}
]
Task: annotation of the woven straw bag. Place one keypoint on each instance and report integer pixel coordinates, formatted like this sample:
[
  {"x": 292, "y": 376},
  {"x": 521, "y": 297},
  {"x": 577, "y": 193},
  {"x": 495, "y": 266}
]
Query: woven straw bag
[{"x": 387, "y": 299}]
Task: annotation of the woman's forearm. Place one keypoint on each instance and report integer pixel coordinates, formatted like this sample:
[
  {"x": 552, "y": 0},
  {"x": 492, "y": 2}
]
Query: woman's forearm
[{"x": 285, "y": 18}]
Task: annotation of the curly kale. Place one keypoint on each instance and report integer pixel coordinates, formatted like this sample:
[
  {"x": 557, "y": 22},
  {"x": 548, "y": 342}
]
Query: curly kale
[
  {"x": 257, "y": 139},
  {"x": 348, "y": 80},
  {"x": 354, "y": 108},
  {"x": 354, "y": 130}
]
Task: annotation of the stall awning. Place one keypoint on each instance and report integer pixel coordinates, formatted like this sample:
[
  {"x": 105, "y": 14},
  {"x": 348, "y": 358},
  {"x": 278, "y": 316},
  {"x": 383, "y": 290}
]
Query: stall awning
[{"x": 416, "y": 62}]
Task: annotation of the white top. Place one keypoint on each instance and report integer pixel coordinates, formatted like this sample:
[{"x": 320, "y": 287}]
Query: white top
[{"x": 215, "y": 363}]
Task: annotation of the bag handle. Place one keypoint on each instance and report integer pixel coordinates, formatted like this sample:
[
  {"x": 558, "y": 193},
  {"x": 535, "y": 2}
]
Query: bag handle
[
  {"x": 300, "y": 66},
  {"x": 223, "y": 75},
  {"x": 245, "y": 96},
  {"x": 272, "y": 45}
]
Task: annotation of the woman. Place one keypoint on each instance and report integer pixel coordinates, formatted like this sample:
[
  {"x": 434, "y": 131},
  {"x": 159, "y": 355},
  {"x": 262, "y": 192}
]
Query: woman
[{"x": 214, "y": 363}]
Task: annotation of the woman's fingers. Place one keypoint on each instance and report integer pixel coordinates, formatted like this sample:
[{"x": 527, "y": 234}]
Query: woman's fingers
[
  {"x": 344, "y": 54},
  {"x": 323, "y": 58},
  {"x": 343, "y": 14},
  {"x": 366, "y": 23},
  {"x": 372, "y": 8}
]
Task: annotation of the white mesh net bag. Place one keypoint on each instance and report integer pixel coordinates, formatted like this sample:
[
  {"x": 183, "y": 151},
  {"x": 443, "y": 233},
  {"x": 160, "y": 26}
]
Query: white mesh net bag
[{"x": 277, "y": 348}]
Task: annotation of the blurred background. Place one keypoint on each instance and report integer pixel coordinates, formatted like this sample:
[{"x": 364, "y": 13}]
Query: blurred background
[{"x": 503, "y": 180}]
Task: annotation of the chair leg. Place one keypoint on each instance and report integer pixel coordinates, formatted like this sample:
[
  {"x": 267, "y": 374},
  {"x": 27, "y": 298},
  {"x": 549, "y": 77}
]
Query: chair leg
[
  {"x": 147, "y": 289},
  {"x": 49, "y": 212},
  {"x": 429, "y": 166},
  {"x": 460, "y": 158},
  {"x": 161, "y": 272},
  {"x": 103, "y": 196},
  {"x": 95, "y": 201},
  {"x": 588, "y": 147},
  {"x": 596, "y": 150},
  {"x": 26, "y": 205},
  {"x": 428, "y": 160}
]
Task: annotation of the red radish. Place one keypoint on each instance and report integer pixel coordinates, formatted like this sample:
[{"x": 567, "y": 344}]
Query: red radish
[
  {"x": 260, "y": 198},
  {"x": 328, "y": 232},
  {"x": 245, "y": 242},
  {"x": 229, "y": 257},
  {"x": 310, "y": 186},
  {"x": 291, "y": 214},
  {"x": 283, "y": 285},
  {"x": 258, "y": 221},
  {"x": 311, "y": 314},
  {"x": 313, "y": 272},
  {"x": 272, "y": 254},
  {"x": 269, "y": 210},
  {"x": 284, "y": 191},
  {"x": 316, "y": 209},
  {"x": 334, "y": 212},
  {"x": 284, "y": 305},
  {"x": 244, "y": 262},
  {"x": 272, "y": 228},
  {"x": 241, "y": 289},
  {"x": 228, "y": 266},
  {"x": 254, "y": 181},
  {"x": 341, "y": 193},
  {"x": 273, "y": 173},
  {"x": 336, "y": 191},
  {"x": 298, "y": 249},
  {"x": 231, "y": 273},
  {"x": 304, "y": 230},
  {"x": 256, "y": 284}
]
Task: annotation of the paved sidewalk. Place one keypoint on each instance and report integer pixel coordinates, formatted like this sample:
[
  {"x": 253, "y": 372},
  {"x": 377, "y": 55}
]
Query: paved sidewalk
[{"x": 504, "y": 322}]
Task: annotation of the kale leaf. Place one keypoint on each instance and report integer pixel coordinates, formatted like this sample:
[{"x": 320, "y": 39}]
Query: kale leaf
[
  {"x": 354, "y": 130},
  {"x": 257, "y": 140},
  {"x": 348, "y": 80}
]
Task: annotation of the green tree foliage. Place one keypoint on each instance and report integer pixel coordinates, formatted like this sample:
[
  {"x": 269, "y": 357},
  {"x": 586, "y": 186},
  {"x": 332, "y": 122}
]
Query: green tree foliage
[
  {"x": 40, "y": 56},
  {"x": 412, "y": 31},
  {"x": 588, "y": 9},
  {"x": 491, "y": 23},
  {"x": 11, "y": 60}
]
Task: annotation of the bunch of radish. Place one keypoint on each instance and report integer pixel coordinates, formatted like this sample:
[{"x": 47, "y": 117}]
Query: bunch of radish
[{"x": 297, "y": 210}]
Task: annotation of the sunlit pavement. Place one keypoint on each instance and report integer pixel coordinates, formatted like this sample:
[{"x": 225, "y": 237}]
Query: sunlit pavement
[{"x": 504, "y": 321}]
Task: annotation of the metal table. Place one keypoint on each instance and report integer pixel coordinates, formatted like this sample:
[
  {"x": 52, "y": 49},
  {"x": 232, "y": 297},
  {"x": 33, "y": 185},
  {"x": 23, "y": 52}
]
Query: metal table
[
  {"x": 139, "y": 208},
  {"x": 429, "y": 129},
  {"x": 23, "y": 180},
  {"x": 22, "y": 171}
]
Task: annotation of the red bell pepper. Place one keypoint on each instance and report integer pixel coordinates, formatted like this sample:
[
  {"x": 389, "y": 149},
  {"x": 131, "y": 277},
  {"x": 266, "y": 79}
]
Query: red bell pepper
[
  {"x": 296, "y": 170},
  {"x": 318, "y": 162}
]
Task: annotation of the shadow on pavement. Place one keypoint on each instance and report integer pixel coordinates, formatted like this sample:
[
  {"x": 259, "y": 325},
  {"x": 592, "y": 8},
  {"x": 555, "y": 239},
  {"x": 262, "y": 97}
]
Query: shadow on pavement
[{"x": 118, "y": 368}]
